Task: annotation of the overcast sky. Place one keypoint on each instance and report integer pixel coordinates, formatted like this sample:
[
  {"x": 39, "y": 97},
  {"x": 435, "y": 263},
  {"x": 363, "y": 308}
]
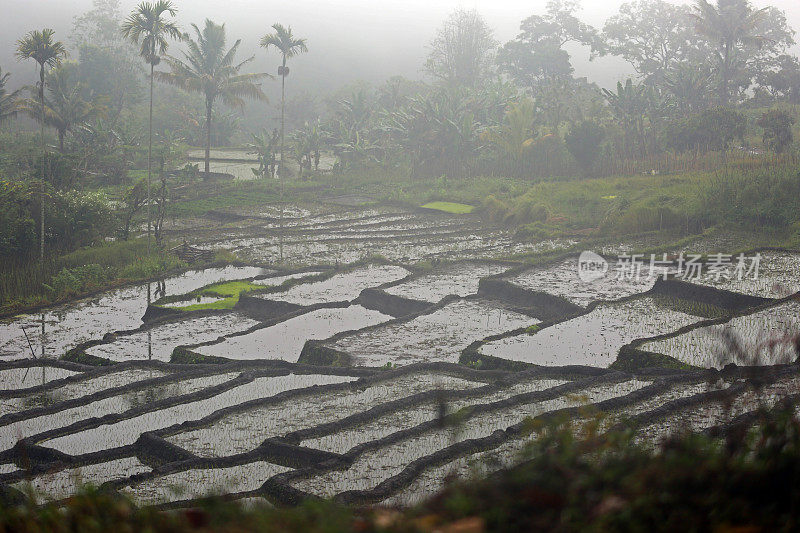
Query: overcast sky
[{"x": 347, "y": 39}]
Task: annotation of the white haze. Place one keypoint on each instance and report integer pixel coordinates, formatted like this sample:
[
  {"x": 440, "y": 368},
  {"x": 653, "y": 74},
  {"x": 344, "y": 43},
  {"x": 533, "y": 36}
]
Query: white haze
[{"x": 348, "y": 39}]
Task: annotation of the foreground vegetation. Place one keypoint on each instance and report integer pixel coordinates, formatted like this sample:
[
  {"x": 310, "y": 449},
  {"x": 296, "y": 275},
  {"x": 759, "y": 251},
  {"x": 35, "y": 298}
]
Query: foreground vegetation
[{"x": 746, "y": 480}]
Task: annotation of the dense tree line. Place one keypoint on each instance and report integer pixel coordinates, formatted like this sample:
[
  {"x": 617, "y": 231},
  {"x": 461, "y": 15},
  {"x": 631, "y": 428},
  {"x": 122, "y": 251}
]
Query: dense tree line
[{"x": 710, "y": 76}]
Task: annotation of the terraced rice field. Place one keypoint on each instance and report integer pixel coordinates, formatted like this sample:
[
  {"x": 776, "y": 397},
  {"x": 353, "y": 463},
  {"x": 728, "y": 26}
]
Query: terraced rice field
[
  {"x": 764, "y": 336},
  {"x": 592, "y": 339},
  {"x": 438, "y": 336},
  {"x": 562, "y": 279},
  {"x": 285, "y": 340},
  {"x": 402, "y": 415}
]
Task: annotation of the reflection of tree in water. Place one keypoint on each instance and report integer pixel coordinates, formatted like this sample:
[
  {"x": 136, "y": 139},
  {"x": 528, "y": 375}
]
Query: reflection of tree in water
[
  {"x": 43, "y": 399},
  {"x": 152, "y": 394}
]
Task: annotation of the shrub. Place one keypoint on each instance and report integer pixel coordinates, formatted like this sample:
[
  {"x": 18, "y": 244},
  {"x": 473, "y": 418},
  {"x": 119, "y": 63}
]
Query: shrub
[
  {"x": 584, "y": 144},
  {"x": 713, "y": 129},
  {"x": 777, "y": 125},
  {"x": 71, "y": 281}
]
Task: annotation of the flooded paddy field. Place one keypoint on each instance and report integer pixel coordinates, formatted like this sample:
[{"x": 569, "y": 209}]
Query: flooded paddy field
[
  {"x": 158, "y": 342},
  {"x": 251, "y": 405},
  {"x": 459, "y": 279},
  {"x": 243, "y": 431},
  {"x": 440, "y": 335},
  {"x": 775, "y": 277},
  {"x": 68, "y": 325},
  {"x": 345, "y": 235},
  {"x": 763, "y": 336},
  {"x": 343, "y": 287},
  {"x": 285, "y": 340},
  {"x": 593, "y": 338},
  {"x": 562, "y": 279}
]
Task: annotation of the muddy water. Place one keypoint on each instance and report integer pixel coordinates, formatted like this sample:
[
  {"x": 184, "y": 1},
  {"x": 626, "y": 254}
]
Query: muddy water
[
  {"x": 68, "y": 325},
  {"x": 776, "y": 276},
  {"x": 375, "y": 466},
  {"x": 593, "y": 339},
  {"x": 562, "y": 279},
  {"x": 286, "y": 339},
  {"x": 23, "y": 378},
  {"x": 343, "y": 441},
  {"x": 116, "y": 404},
  {"x": 342, "y": 287},
  {"x": 128, "y": 431},
  {"x": 157, "y": 343},
  {"x": 244, "y": 431},
  {"x": 64, "y": 483},
  {"x": 203, "y": 482},
  {"x": 438, "y": 336},
  {"x": 460, "y": 279},
  {"x": 76, "y": 390},
  {"x": 765, "y": 336}
]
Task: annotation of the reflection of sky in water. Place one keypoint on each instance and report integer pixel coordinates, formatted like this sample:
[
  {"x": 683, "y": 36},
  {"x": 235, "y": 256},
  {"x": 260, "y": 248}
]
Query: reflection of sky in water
[
  {"x": 593, "y": 339},
  {"x": 115, "y": 404},
  {"x": 159, "y": 341},
  {"x": 286, "y": 339},
  {"x": 121, "y": 309}
]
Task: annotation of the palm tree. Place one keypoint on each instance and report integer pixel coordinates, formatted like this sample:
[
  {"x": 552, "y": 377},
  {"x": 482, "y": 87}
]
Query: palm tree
[
  {"x": 48, "y": 53},
  {"x": 728, "y": 24},
  {"x": 148, "y": 28},
  {"x": 288, "y": 46},
  {"x": 64, "y": 106},
  {"x": 208, "y": 69},
  {"x": 8, "y": 100}
]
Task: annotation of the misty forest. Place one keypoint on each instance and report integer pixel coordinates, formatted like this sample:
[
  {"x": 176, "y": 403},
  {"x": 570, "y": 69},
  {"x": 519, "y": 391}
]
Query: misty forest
[{"x": 496, "y": 295}]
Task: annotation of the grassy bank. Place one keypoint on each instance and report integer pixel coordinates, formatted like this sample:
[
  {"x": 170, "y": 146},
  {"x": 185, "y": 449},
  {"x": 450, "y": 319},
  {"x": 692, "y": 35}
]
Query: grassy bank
[{"x": 30, "y": 283}]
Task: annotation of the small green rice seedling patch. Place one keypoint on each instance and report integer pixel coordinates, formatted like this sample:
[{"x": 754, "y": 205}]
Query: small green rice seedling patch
[
  {"x": 452, "y": 208},
  {"x": 223, "y": 296},
  {"x": 122, "y": 309}
]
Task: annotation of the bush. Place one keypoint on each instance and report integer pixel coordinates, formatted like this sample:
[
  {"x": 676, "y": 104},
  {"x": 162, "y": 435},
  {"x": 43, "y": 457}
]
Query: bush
[
  {"x": 777, "y": 127},
  {"x": 713, "y": 129},
  {"x": 584, "y": 144},
  {"x": 72, "y": 281}
]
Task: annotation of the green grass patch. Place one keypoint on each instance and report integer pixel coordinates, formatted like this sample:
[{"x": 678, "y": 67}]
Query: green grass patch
[
  {"x": 450, "y": 207},
  {"x": 228, "y": 291}
]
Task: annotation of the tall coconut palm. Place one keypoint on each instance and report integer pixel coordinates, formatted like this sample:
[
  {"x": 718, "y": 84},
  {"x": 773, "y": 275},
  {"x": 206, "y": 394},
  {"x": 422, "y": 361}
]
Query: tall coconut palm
[
  {"x": 728, "y": 25},
  {"x": 288, "y": 46},
  {"x": 48, "y": 53},
  {"x": 9, "y": 104},
  {"x": 64, "y": 106},
  {"x": 148, "y": 28},
  {"x": 209, "y": 69}
]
